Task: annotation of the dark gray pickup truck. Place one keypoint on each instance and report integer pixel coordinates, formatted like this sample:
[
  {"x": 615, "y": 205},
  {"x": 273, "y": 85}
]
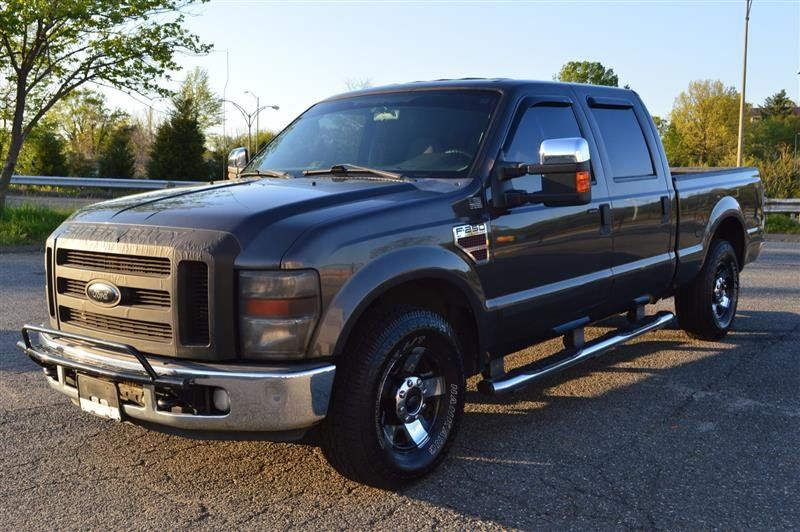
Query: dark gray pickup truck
[{"x": 386, "y": 245}]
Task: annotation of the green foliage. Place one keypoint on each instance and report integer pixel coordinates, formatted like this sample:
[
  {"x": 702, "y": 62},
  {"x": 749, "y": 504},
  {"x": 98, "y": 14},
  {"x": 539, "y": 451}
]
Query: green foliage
[
  {"x": 782, "y": 223},
  {"x": 178, "y": 149},
  {"x": 207, "y": 106},
  {"x": 28, "y": 224},
  {"x": 46, "y": 153},
  {"x": 117, "y": 158},
  {"x": 778, "y": 105},
  {"x": 588, "y": 72},
  {"x": 84, "y": 120},
  {"x": 50, "y": 48},
  {"x": 765, "y": 138},
  {"x": 217, "y": 155},
  {"x": 780, "y": 174},
  {"x": 703, "y": 125}
]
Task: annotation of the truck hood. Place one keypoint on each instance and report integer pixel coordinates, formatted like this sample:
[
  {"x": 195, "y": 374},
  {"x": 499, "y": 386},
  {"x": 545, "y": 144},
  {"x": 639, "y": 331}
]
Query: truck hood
[{"x": 269, "y": 210}]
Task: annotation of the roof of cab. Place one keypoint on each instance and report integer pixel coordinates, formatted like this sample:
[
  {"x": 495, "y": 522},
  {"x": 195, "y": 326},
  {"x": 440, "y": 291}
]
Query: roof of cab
[{"x": 462, "y": 83}]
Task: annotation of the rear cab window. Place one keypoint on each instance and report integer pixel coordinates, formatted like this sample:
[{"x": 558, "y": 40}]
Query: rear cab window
[{"x": 624, "y": 140}]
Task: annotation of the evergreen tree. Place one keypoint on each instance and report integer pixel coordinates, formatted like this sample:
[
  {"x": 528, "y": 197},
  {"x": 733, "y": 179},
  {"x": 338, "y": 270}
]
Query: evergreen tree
[
  {"x": 177, "y": 152},
  {"x": 47, "y": 154},
  {"x": 117, "y": 158},
  {"x": 778, "y": 105}
]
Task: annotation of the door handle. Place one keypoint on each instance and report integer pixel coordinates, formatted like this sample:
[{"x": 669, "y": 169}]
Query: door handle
[
  {"x": 606, "y": 218},
  {"x": 665, "y": 208}
]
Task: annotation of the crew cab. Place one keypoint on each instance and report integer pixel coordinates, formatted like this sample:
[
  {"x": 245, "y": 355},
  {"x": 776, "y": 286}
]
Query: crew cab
[{"x": 386, "y": 245}]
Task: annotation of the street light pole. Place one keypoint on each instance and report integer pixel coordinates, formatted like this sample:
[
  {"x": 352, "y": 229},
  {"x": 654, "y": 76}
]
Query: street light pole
[
  {"x": 748, "y": 5},
  {"x": 248, "y": 118}
]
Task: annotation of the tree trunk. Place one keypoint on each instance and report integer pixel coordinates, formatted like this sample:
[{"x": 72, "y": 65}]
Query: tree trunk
[
  {"x": 14, "y": 147},
  {"x": 15, "y": 143}
]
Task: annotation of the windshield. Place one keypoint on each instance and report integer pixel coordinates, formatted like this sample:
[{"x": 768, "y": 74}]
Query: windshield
[{"x": 414, "y": 133}]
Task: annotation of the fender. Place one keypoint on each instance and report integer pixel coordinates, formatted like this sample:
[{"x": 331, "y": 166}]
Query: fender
[
  {"x": 727, "y": 207},
  {"x": 390, "y": 270}
]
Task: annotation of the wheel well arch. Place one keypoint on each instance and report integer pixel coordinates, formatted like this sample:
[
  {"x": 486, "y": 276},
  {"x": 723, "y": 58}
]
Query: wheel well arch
[
  {"x": 438, "y": 295},
  {"x": 732, "y": 230}
]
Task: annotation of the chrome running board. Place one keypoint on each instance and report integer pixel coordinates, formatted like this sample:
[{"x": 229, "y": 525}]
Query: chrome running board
[{"x": 527, "y": 374}]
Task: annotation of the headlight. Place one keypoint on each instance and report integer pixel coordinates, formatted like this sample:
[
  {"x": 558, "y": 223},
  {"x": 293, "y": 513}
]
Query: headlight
[{"x": 277, "y": 312}]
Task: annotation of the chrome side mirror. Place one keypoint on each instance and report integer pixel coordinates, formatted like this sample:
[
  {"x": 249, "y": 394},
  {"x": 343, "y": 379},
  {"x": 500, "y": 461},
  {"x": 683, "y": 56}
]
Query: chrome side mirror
[
  {"x": 237, "y": 160},
  {"x": 564, "y": 151},
  {"x": 565, "y": 172}
]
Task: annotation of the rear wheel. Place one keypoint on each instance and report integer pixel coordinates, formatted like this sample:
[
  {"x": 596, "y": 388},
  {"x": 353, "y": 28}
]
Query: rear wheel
[
  {"x": 707, "y": 305},
  {"x": 397, "y": 401}
]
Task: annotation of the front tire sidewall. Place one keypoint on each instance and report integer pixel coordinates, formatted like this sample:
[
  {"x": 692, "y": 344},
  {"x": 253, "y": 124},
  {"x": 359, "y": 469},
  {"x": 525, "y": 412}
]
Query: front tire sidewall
[{"x": 353, "y": 442}]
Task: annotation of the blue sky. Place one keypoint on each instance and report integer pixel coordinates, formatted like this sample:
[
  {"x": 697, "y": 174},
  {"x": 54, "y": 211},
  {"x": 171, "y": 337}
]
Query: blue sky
[{"x": 295, "y": 53}]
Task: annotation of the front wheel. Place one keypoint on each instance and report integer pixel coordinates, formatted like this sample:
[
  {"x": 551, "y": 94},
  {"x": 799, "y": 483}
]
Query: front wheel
[
  {"x": 707, "y": 305},
  {"x": 398, "y": 399}
]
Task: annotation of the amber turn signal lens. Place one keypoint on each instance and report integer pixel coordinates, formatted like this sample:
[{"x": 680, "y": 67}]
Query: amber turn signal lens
[
  {"x": 280, "y": 308},
  {"x": 583, "y": 182}
]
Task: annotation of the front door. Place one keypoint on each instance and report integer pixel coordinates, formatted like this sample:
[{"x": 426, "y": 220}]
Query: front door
[{"x": 550, "y": 265}]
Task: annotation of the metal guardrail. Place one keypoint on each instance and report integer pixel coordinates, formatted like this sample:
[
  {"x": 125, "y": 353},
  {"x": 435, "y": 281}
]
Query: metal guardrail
[
  {"x": 789, "y": 206},
  {"x": 99, "y": 182}
]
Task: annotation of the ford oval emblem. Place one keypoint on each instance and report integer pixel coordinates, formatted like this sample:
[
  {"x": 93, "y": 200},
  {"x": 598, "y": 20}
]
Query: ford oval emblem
[{"x": 103, "y": 293}]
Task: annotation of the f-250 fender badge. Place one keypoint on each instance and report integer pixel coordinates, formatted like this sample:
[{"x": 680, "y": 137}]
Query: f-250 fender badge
[{"x": 473, "y": 239}]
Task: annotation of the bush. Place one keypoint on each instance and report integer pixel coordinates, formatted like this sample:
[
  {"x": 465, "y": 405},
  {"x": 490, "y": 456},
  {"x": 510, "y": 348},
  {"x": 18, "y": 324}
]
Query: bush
[{"x": 781, "y": 175}]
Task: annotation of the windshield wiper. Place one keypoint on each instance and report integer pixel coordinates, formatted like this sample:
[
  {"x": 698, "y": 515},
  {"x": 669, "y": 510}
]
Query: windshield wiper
[
  {"x": 266, "y": 173},
  {"x": 347, "y": 169}
]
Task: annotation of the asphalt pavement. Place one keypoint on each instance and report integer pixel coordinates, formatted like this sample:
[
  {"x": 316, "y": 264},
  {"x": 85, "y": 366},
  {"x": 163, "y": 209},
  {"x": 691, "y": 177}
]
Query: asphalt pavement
[{"x": 663, "y": 433}]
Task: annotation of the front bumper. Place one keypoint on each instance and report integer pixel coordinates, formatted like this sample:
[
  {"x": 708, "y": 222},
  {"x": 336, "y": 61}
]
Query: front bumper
[{"x": 269, "y": 399}]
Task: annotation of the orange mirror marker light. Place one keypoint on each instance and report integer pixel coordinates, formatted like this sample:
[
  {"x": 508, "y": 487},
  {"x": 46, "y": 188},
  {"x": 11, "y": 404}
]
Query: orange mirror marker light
[{"x": 583, "y": 182}]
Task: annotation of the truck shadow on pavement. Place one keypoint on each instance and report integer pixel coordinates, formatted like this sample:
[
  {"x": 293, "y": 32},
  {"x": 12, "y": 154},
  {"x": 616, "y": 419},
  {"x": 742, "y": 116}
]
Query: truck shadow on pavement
[{"x": 626, "y": 438}]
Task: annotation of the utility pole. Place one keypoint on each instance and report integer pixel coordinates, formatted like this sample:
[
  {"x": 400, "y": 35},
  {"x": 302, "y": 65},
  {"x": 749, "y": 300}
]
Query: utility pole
[{"x": 748, "y": 5}]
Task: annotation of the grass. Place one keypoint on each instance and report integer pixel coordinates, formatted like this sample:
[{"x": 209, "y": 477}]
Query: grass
[
  {"x": 782, "y": 223},
  {"x": 28, "y": 224}
]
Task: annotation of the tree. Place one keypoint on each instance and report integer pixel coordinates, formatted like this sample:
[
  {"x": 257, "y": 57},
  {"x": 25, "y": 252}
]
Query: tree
[
  {"x": 117, "y": 158},
  {"x": 778, "y": 105},
  {"x": 47, "y": 153},
  {"x": 86, "y": 124},
  {"x": 703, "y": 125},
  {"x": 587, "y": 72},
  {"x": 179, "y": 146},
  {"x": 50, "y": 48},
  {"x": 208, "y": 106}
]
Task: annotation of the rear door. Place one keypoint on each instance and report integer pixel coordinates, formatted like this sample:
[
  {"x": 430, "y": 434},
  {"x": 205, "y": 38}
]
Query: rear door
[
  {"x": 550, "y": 265},
  {"x": 641, "y": 194}
]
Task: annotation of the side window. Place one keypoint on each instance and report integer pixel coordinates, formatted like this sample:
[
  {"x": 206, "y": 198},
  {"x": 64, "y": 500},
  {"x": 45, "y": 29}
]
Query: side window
[
  {"x": 624, "y": 140},
  {"x": 540, "y": 123}
]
